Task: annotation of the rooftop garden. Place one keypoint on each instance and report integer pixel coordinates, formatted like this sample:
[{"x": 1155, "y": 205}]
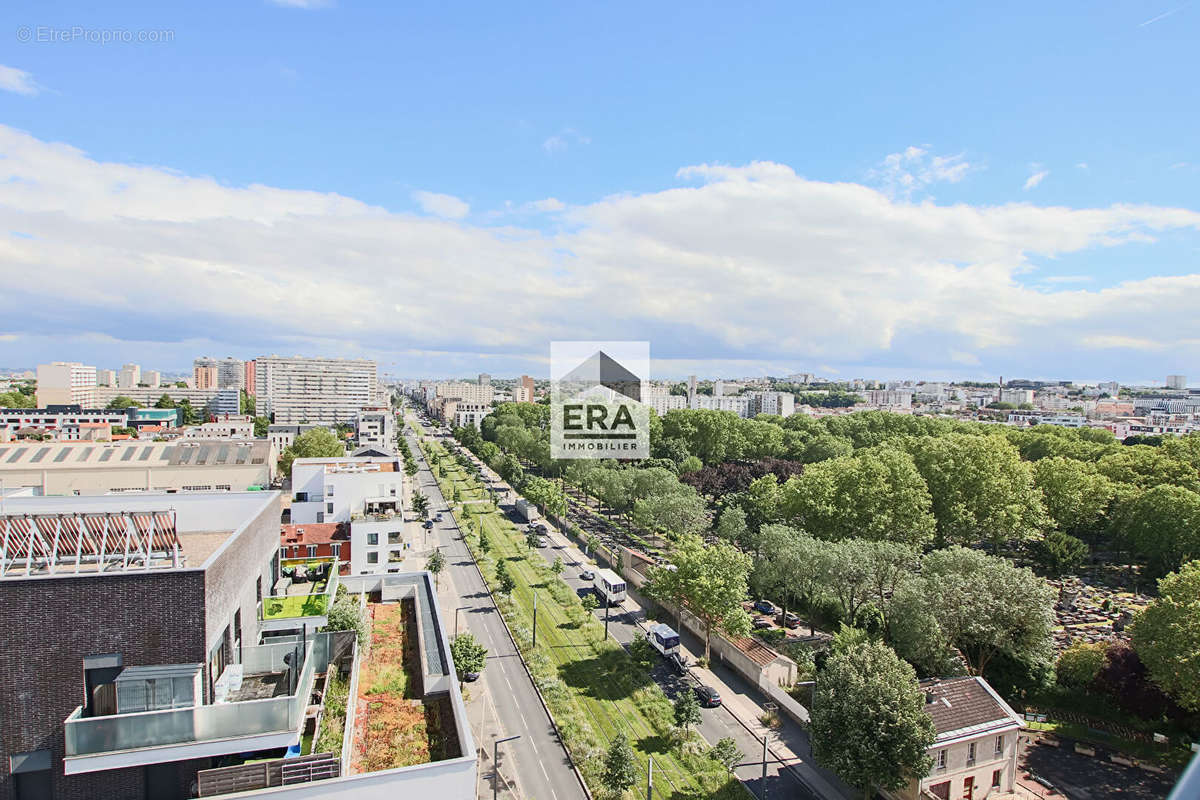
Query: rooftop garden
[{"x": 393, "y": 727}]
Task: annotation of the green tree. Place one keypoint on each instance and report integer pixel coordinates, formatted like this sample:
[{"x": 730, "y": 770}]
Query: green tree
[
  {"x": 1161, "y": 525},
  {"x": 1080, "y": 663},
  {"x": 557, "y": 566},
  {"x": 435, "y": 564},
  {"x": 687, "y": 708},
  {"x": 678, "y": 513},
  {"x": 121, "y": 402},
  {"x": 877, "y": 494},
  {"x": 710, "y": 582},
  {"x": 869, "y": 723},
  {"x": 261, "y": 426},
  {"x": 531, "y": 539},
  {"x": 419, "y": 502},
  {"x": 825, "y": 446},
  {"x": 1166, "y": 636},
  {"x": 485, "y": 544},
  {"x": 16, "y": 399},
  {"x": 620, "y": 769},
  {"x": 791, "y": 567},
  {"x": 346, "y": 615},
  {"x": 313, "y": 443},
  {"x": 504, "y": 578},
  {"x": 1060, "y": 553},
  {"x": 981, "y": 489},
  {"x": 976, "y": 605},
  {"x": 1076, "y": 495},
  {"x": 725, "y": 752},
  {"x": 589, "y": 602},
  {"x": 467, "y": 654},
  {"x": 546, "y": 495},
  {"x": 593, "y": 544},
  {"x": 247, "y": 404},
  {"x": 731, "y": 525},
  {"x": 164, "y": 401}
]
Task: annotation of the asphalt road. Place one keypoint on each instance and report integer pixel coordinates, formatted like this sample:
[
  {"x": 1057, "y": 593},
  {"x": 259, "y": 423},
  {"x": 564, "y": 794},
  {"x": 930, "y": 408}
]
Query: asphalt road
[
  {"x": 716, "y": 723},
  {"x": 538, "y": 759}
]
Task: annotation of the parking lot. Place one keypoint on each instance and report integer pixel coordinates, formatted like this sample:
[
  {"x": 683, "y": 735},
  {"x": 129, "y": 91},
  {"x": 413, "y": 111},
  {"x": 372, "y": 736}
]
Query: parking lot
[{"x": 1082, "y": 777}]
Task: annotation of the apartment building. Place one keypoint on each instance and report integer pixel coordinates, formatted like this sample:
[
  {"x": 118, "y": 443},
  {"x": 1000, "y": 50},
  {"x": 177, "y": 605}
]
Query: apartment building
[
  {"x": 204, "y": 373},
  {"x": 316, "y": 540},
  {"x": 152, "y": 378},
  {"x": 314, "y": 390},
  {"x": 282, "y": 436},
  {"x": 1061, "y": 419},
  {"x": 226, "y": 426},
  {"x": 199, "y": 398},
  {"x": 526, "y": 388},
  {"x": 89, "y": 468},
  {"x": 889, "y": 398},
  {"x": 1177, "y": 382},
  {"x": 226, "y": 401},
  {"x": 106, "y": 377},
  {"x": 250, "y": 377},
  {"x": 129, "y": 376},
  {"x": 466, "y": 392},
  {"x": 63, "y": 383},
  {"x": 781, "y": 404},
  {"x": 106, "y": 696},
  {"x": 975, "y": 754},
  {"x": 231, "y": 374},
  {"x": 469, "y": 414},
  {"x": 55, "y": 419},
  {"x": 376, "y": 427},
  {"x": 367, "y": 494},
  {"x": 738, "y": 404}
]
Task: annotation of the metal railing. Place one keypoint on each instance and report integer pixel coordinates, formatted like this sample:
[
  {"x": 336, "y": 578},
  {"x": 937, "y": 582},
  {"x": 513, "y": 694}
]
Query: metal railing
[{"x": 298, "y": 606}]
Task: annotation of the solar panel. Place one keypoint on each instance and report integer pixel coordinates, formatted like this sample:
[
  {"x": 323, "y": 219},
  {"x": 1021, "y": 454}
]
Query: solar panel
[
  {"x": 127, "y": 454},
  {"x": 106, "y": 454},
  {"x": 39, "y": 455},
  {"x": 62, "y": 454},
  {"x": 145, "y": 456},
  {"x": 84, "y": 452}
]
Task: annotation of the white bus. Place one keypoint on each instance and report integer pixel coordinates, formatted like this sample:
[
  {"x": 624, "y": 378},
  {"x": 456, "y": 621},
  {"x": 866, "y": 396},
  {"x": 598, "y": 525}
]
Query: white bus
[
  {"x": 665, "y": 640},
  {"x": 610, "y": 587}
]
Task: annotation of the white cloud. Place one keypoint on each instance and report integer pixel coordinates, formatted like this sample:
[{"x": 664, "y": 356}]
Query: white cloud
[
  {"x": 1081, "y": 165},
  {"x": 18, "y": 81},
  {"x": 1037, "y": 177},
  {"x": 913, "y": 170},
  {"x": 562, "y": 140},
  {"x": 441, "y": 205},
  {"x": 1067, "y": 279},
  {"x": 308, "y": 4},
  {"x": 748, "y": 263}
]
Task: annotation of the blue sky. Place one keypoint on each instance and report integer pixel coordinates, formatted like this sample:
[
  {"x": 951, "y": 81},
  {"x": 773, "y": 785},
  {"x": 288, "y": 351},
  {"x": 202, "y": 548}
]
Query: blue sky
[{"x": 501, "y": 108}]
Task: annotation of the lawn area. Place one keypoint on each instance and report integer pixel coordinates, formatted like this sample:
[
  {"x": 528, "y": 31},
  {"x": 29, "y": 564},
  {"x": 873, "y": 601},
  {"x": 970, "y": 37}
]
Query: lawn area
[
  {"x": 392, "y": 725},
  {"x": 313, "y": 604},
  {"x": 592, "y": 685}
]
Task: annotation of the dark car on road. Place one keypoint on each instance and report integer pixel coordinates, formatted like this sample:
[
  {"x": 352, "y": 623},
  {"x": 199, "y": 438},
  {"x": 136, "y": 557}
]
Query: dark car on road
[
  {"x": 764, "y": 606},
  {"x": 790, "y": 620},
  {"x": 761, "y": 623},
  {"x": 708, "y": 696}
]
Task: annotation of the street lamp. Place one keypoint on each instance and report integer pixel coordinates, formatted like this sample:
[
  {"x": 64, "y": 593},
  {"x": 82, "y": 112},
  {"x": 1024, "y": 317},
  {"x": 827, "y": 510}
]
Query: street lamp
[
  {"x": 534, "y": 645},
  {"x": 496, "y": 764},
  {"x": 460, "y": 608},
  {"x": 770, "y": 707}
]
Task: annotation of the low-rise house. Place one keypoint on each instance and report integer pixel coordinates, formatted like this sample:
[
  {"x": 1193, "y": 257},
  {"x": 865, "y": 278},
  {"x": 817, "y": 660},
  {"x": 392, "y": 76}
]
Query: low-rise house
[
  {"x": 975, "y": 754},
  {"x": 316, "y": 540}
]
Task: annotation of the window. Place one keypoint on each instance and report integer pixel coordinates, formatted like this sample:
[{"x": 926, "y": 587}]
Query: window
[
  {"x": 395, "y": 556},
  {"x": 312, "y": 551},
  {"x": 320, "y": 516},
  {"x": 329, "y": 508},
  {"x": 329, "y": 491},
  {"x": 336, "y": 549},
  {"x": 970, "y": 753},
  {"x": 999, "y": 745},
  {"x": 996, "y": 778},
  {"x": 31, "y": 774},
  {"x": 394, "y": 537},
  {"x": 372, "y": 558},
  {"x": 372, "y": 538},
  {"x": 283, "y": 552},
  {"x": 941, "y": 759}
]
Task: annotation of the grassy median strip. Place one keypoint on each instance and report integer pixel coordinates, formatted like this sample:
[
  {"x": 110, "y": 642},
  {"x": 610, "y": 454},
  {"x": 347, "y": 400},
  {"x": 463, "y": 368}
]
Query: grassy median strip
[{"x": 593, "y": 687}]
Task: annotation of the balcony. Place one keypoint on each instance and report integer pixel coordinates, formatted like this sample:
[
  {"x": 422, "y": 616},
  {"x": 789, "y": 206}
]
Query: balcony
[
  {"x": 247, "y": 721},
  {"x": 303, "y": 597}
]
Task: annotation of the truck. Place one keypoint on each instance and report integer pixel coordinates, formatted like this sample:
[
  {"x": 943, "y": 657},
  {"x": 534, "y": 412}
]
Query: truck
[
  {"x": 527, "y": 510},
  {"x": 665, "y": 640},
  {"x": 609, "y": 587}
]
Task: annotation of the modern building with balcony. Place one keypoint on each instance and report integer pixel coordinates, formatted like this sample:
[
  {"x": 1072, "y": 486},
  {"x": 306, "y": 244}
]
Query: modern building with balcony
[
  {"x": 157, "y": 646},
  {"x": 367, "y": 493}
]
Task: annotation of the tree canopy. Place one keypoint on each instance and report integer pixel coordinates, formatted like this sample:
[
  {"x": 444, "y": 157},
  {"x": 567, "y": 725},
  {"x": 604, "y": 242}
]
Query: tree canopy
[
  {"x": 869, "y": 723},
  {"x": 313, "y": 443},
  {"x": 1166, "y": 636}
]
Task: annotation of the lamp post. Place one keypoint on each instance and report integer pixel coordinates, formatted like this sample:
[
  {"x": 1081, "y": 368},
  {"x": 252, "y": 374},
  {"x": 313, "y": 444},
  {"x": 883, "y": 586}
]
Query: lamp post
[
  {"x": 534, "y": 646},
  {"x": 460, "y": 608},
  {"x": 770, "y": 707},
  {"x": 496, "y": 764}
]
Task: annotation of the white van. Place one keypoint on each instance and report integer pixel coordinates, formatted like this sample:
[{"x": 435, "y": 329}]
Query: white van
[{"x": 610, "y": 587}]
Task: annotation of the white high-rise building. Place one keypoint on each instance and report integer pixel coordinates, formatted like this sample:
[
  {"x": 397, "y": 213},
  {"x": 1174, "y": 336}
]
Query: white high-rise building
[
  {"x": 781, "y": 404},
  {"x": 322, "y": 391},
  {"x": 1177, "y": 381},
  {"x": 66, "y": 383},
  {"x": 106, "y": 377},
  {"x": 129, "y": 376},
  {"x": 152, "y": 378}
]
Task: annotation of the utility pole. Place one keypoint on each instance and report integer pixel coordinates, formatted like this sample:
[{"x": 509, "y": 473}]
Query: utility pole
[
  {"x": 650, "y": 780},
  {"x": 496, "y": 764},
  {"x": 606, "y": 608},
  {"x": 770, "y": 707},
  {"x": 534, "y": 619}
]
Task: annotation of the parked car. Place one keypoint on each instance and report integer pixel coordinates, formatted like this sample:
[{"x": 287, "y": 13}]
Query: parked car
[
  {"x": 761, "y": 623},
  {"x": 587, "y": 575},
  {"x": 790, "y": 620},
  {"x": 708, "y": 696},
  {"x": 470, "y": 677},
  {"x": 438, "y": 517},
  {"x": 428, "y": 523},
  {"x": 541, "y": 541},
  {"x": 764, "y": 606}
]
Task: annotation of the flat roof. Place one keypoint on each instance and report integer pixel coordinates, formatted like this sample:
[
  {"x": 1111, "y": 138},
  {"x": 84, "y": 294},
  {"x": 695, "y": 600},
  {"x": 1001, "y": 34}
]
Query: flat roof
[
  {"x": 134, "y": 453},
  {"x": 134, "y": 532}
]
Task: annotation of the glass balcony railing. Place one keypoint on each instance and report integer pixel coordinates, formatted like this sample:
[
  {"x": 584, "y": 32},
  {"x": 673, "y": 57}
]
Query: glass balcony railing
[{"x": 90, "y": 736}]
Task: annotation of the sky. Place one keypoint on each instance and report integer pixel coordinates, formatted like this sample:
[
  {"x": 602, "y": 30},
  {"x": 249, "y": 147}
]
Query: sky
[{"x": 879, "y": 190}]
